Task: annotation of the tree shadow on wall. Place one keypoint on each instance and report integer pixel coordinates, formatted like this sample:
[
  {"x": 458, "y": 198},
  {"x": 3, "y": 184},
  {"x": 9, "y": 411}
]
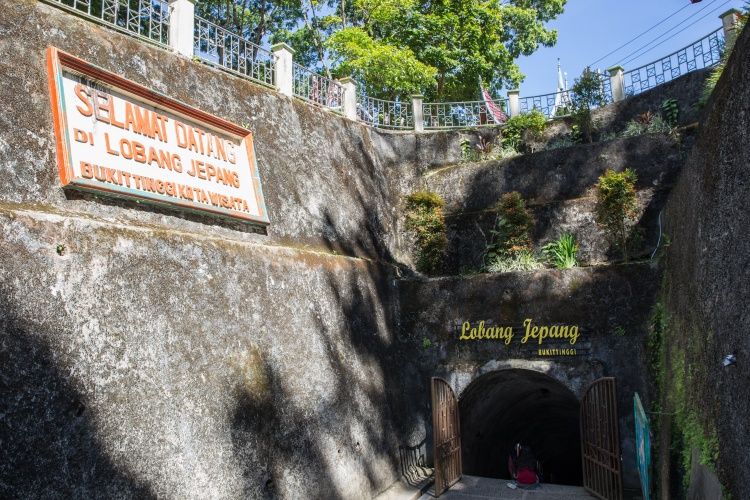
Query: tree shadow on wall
[
  {"x": 354, "y": 430},
  {"x": 49, "y": 446}
]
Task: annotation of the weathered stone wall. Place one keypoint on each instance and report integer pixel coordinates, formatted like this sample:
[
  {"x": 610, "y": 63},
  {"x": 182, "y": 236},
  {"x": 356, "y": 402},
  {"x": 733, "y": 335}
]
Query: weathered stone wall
[
  {"x": 559, "y": 186},
  {"x": 706, "y": 290},
  {"x": 172, "y": 355},
  {"x": 184, "y": 357},
  {"x": 613, "y": 118}
]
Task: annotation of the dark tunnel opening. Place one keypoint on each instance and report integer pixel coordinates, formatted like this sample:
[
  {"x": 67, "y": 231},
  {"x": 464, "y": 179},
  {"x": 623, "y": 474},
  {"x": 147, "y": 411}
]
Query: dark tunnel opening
[{"x": 504, "y": 407}]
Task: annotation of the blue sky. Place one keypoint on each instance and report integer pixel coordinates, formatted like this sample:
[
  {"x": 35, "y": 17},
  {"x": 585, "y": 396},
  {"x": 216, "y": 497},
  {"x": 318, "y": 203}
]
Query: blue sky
[{"x": 589, "y": 29}]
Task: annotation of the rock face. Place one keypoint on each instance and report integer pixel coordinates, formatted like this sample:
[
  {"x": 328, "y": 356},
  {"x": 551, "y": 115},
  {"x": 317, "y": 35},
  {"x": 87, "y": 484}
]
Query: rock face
[
  {"x": 707, "y": 270},
  {"x": 149, "y": 352}
]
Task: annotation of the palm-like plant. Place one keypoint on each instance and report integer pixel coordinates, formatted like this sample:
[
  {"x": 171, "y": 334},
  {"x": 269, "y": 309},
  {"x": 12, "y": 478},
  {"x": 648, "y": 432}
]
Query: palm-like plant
[{"x": 562, "y": 252}]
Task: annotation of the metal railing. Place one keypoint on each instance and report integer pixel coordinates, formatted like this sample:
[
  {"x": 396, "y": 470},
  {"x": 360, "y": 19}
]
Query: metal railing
[
  {"x": 218, "y": 46},
  {"x": 561, "y": 103},
  {"x": 317, "y": 89},
  {"x": 379, "y": 113},
  {"x": 703, "y": 53},
  {"x": 149, "y": 20},
  {"x": 145, "y": 19},
  {"x": 550, "y": 105},
  {"x": 439, "y": 115}
]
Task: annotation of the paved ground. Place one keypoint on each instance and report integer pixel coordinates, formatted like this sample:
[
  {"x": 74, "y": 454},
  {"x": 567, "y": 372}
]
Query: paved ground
[{"x": 483, "y": 488}]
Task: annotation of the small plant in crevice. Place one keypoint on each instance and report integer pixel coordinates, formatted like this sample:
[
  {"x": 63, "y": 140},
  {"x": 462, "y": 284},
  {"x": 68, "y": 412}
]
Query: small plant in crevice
[
  {"x": 646, "y": 123},
  {"x": 562, "y": 253},
  {"x": 60, "y": 249},
  {"x": 510, "y": 246},
  {"x": 725, "y": 48},
  {"x": 521, "y": 130},
  {"x": 670, "y": 111},
  {"x": 485, "y": 149},
  {"x": 618, "y": 331},
  {"x": 426, "y": 343},
  {"x": 424, "y": 218},
  {"x": 565, "y": 141},
  {"x": 522, "y": 261},
  {"x": 617, "y": 207}
]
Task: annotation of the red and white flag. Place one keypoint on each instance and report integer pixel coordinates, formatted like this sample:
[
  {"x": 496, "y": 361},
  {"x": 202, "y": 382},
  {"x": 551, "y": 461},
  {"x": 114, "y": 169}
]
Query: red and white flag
[{"x": 495, "y": 111}]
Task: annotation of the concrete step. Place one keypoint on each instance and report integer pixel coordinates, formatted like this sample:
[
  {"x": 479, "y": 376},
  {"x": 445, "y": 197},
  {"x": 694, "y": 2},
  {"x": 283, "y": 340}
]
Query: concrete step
[
  {"x": 411, "y": 488},
  {"x": 484, "y": 488}
]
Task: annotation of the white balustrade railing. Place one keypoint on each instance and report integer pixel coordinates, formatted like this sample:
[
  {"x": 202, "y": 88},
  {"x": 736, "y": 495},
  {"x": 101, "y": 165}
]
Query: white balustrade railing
[
  {"x": 317, "y": 89},
  {"x": 218, "y": 46},
  {"x": 442, "y": 115},
  {"x": 703, "y": 53},
  {"x": 145, "y": 19},
  {"x": 150, "y": 20},
  {"x": 379, "y": 113}
]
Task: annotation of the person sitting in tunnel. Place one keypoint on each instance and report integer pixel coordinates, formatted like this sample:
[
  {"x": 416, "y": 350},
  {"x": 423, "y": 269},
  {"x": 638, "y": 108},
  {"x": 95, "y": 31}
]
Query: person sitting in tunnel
[{"x": 523, "y": 466}]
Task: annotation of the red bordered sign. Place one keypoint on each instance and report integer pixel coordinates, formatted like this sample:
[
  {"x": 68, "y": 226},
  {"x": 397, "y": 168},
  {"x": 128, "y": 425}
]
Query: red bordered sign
[{"x": 118, "y": 138}]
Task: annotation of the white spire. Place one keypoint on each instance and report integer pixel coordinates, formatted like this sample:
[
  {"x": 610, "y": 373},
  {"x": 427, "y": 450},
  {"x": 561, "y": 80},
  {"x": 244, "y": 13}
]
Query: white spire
[{"x": 561, "y": 86}]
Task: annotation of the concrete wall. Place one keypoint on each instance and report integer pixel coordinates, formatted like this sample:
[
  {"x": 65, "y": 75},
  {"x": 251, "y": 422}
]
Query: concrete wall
[
  {"x": 560, "y": 189},
  {"x": 707, "y": 273},
  {"x": 183, "y": 357},
  {"x": 171, "y": 355}
]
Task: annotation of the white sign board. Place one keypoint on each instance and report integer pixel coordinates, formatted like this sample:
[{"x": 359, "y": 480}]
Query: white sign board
[{"x": 116, "y": 137}]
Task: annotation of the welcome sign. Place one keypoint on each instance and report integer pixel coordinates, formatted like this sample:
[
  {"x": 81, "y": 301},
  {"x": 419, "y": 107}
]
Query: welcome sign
[{"x": 119, "y": 138}]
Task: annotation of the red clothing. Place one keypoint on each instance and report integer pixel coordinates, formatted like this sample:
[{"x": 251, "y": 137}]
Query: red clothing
[{"x": 526, "y": 476}]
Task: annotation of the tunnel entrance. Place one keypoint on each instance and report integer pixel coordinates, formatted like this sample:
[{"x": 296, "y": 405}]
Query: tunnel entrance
[{"x": 504, "y": 407}]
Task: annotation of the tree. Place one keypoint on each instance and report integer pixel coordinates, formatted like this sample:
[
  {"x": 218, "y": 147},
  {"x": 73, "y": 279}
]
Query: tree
[
  {"x": 385, "y": 70},
  {"x": 587, "y": 92},
  {"x": 617, "y": 206},
  {"x": 441, "y": 48},
  {"x": 254, "y": 20}
]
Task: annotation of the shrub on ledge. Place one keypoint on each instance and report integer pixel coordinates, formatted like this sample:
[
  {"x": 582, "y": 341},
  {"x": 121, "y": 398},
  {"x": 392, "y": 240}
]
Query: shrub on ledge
[
  {"x": 424, "y": 218},
  {"x": 617, "y": 207},
  {"x": 510, "y": 247}
]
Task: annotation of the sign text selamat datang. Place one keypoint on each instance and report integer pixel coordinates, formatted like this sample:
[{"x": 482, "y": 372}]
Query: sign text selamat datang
[{"x": 112, "y": 140}]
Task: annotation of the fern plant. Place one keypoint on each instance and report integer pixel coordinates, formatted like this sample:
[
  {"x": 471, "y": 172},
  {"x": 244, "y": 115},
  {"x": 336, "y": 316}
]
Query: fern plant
[
  {"x": 671, "y": 112},
  {"x": 563, "y": 252}
]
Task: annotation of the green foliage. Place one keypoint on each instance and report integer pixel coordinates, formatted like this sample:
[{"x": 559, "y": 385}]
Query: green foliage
[
  {"x": 646, "y": 123},
  {"x": 438, "y": 48},
  {"x": 424, "y": 218},
  {"x": 688, "y": 431},
  {"x": 561, "y": 142},
  {"x": 521, "y": 261},
  {"x": 519, "y": 127},
  {"x": 485, "y": 149},
  {"x": 426, "y": 343},
  {"x": 386, "y": 70},
  {"x": 511, "y": 235},
  {"x": 562, "y": 252},
  {"x": 616, "y": 206},
  {"x": 670, "y": 110},
  {"x": 715, "y": 75},
  {"x": 619, "y": 331},
  {"x": 587, "y": 93}
]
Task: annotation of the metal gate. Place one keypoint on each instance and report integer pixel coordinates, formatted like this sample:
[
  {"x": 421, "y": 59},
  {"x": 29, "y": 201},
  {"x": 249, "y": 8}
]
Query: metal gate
[
  {"x": 600, "y": 440},
  {"x": 446, "y": 431}
]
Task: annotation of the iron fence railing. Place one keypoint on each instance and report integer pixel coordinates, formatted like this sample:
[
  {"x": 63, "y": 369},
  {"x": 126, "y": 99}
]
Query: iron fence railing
[
  {"x": 550, "y": 105},
  {"x": 700, "y": 54},
  {"x": 459, "y": 114},
  {"x": 317, "y": 89},
  {"x": 145, "y": 19},
  {"x": 218, "y": 46},
  {"x": 379, "y": 113},
  {"x": 150, "y": 20}
]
